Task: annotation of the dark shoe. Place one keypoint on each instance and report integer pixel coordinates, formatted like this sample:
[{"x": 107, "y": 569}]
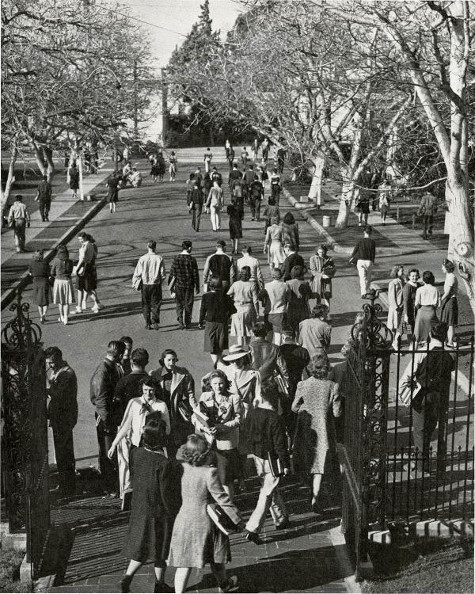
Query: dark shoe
[
  {"x": 156, "y": 327},
  {"x": 181, "y": 326},
  {"x": 253, "y": 537},
  {"x": 283, "y": 525},
  {"x": 430, "y": 231},
  {"x": 230, "y": 585},
  {"x": 147, "y": 326},
  {"x": 188, "y": 327},
  {"x": 125, "y": 583},
  {"x": 127, "y": 501},
  {"x": 162, "y": 587}
]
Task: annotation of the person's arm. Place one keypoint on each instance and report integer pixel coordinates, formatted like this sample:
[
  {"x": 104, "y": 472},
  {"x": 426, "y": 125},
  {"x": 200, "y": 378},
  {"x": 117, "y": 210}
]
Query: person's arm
[
  {"x": 297, "y": 236},
  {"x": 327, "y": 336},
  {"x": 172, "y": 272},
  {"x": 335, "y": 400},
  {"x": 208, "y": 200},
  {"x": 203, "y": 310},
  {"x": 163, "y": 272},
  {"x": 137, "y": 276},
  {"x": 267, "y": 240},
  {"x": 166, "y": 418},
  {"x": 437, "y": 301},
  {"x": 217, "y": 492},
  {"x": 447, "y": 288},
  {"x": 27, "y": 216},
  {"x": 124, "y": 429},
  {"x": 417, "y": 301},
  {"x": 279, "y": 442},
  {"x": 354, "y": 254},
  {"x": 206, "y": 270},
  {"x": 255, "y": 299}
]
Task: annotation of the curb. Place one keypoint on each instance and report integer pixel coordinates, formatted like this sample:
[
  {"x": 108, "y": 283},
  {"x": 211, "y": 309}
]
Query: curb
[
  {"x": 334, "y": 245},
  {"x": 9, "y": 295}
]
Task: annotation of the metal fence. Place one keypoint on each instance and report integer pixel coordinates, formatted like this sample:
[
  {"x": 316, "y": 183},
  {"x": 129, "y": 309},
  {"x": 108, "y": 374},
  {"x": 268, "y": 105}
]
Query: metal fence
[
  {"x": 25, "y": 466},
  {"x": 387, "y": 479}
]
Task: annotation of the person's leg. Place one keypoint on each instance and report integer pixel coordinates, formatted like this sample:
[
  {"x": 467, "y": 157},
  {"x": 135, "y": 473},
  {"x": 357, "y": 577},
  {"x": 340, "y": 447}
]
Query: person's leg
[
  {"x": 182, "y": 576},
  {"x": 369, "y": 275},
  {"x": 362, "y": 276},
  {"x": 213, "y": 218},
  {"x": 146, "y": 305},
  {"x": 258, "y": 210},
  {"x": 156, "y": 301},
  {"x": 316, "y": 484},
  {"x": 450, "y": 335},
  {"x": 431, "y": 223},
  {"x": 65, "y": 314},
  {"x": 180, "y": 305},
  {"x": 81, "y": 298},
  {"x": 268, "y": 484},
  {"x": 47, "y": 207},
  {"x": 64, "y": 453},
  {"x": 277, "y": 338},
  {"x": 278, "y": 509},
  {"x": 198, "y": 216},
  {"x": 426, "y": 224},
  {"x": 129, "y": 574},
  {"x": 219, "y": 572},
  {"x": 189, "y": 300},
  {"x": 21, "y": 234}
]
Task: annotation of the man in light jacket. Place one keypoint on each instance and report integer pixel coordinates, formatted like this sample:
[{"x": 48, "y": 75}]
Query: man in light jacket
[{"x": 148, "y": 277}]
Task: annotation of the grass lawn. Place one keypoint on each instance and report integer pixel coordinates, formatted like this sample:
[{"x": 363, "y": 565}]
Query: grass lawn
[
  {"x": 426, "y": 566},
  {"x": 10, "y": 561}
]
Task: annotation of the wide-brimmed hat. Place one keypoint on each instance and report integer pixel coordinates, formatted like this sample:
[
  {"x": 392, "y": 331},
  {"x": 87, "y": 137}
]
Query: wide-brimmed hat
[{"x": 236, "y": 352}]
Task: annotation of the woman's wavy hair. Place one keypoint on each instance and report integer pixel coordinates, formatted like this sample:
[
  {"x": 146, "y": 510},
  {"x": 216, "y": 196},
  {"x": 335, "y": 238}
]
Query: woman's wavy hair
[
  {"x": 319, "y": 366},
  {"x": 217, "y": 373},
  {"x": 195, "y": 451},
  {"x": 165, "y": 353}
]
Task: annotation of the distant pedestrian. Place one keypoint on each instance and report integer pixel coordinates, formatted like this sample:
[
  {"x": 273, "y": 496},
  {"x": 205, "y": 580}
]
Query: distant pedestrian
[
  {"x": 292, "y": 258},
  {"x": 40, "y": 271},
  {"x": 160, "y": 166},
  {"x": 364, "y": 254},
  {"x": 409, "y": 303},
  {"x": 449, "y": 312},
  {"x": 214, "y": 205},
  {"x": 384, "y": 198},
  {"x": 208, "y": 157},
  {"x": 236, "y": 214},
  {"x": 315, "y": 332},
  {"x": 63, "y": 291},
  {"x": 248, "y": 178},
  {"x": 276, "y": 296},
  {"x": 254, "y": 265},
  {"x": 256, "y": 195},
  {"x": 427, "y": 210},
  {"x": 275, "y": 186},
  {"x": 229, "y": 154},
  {"x": 155, "y": 503},
  {"x": 183, "y": 281},
  {"x": 299, "y": 294},
  {"x": 216, "y": 310},
  {"x": 426, "y": 303},
  {"x": 219, "y": 265},
  {"x": 63, "y": 416},
  {"x": 281, "y": 152},
  {"x": 265, "y": 356},
  {"x": 244, "y": 156},
  {"x": 73, "y": 174},
  {"x": 255, "y": 148},
  {"x": 273, "y": 244},
  {"x": 290, "y": 230},
  {"x": 148, "y": 277},
  {"x": 323, "y": 269},
  {"x": 43, "y": 196},
  {"x": 244, "y": 295},
  {"x": 265, "y": 150},
  {"x": 195, "y": 203},
  {"x": 395, "y": 300},
  {"x": 113, "y": 191},
  {"x": 316, "y": 401},
  {"x": 362, "y": 200},
  {"x": 234, "y": 175},
  {"x": 154, "y": 171},
  {"x": 135, "y": 178},
  {"x": 173, "y": 168},
  {"x": 18, "y": 220},
  {"x": 102, "y": 390},
  {"x": 86, "y": 272}
]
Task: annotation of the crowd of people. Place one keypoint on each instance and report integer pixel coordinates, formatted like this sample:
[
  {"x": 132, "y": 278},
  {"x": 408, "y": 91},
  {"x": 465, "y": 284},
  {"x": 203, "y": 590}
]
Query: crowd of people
[{"x": 169, "y": 444}]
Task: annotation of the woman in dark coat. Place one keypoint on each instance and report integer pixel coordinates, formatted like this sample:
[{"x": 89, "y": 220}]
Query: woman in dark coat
[
  {"x": 299, "y": 294},
  {"x": 113, "y": 193},
  {"x": 39, "y": 270},
  {"x": 216, "y": 309},
  {"x": 196, "y": 540},
  {"x": 236, "y": 214},
  {"x": 74, "y": 179},
  {"x": 155, "y": 502}
]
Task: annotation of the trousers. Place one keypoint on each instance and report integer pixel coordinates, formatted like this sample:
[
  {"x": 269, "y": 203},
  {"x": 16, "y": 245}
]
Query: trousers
[
  {"x": 19, "y": 233},
  {"x": 196, "y": 216},
  {"x": 44, "y": 209},
  {"x": 365, "y": 268},
  {"x": 428, "y": 223},
  {"x": 215, "y": 217},
  {"x": 108, "y": 468},
  {"x": 65, "y": 461},
  {"x": 255, "y": 208},
  {"x": 269, "y": 498},
  {"x": 151, "y": 303},
  {"x": 184, "y": 298}
]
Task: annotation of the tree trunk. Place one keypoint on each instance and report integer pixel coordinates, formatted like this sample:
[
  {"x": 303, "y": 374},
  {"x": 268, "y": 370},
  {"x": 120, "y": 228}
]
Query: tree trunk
[
  {"x": 346, "y": 198},
  {"x": 461, "y": 238},
  {"x": 315, "y": 192},
  {"x": 40, "y": 160},
  {"x": 48, "y": 155},
  {"x": 10, "y": 177}
]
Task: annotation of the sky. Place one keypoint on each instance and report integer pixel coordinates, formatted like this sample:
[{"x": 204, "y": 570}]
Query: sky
[{"x": 178, "y": 16}]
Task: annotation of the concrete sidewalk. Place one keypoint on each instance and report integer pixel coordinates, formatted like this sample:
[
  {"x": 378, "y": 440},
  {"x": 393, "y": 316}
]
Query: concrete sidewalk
[{"x": 309, "y": 556}]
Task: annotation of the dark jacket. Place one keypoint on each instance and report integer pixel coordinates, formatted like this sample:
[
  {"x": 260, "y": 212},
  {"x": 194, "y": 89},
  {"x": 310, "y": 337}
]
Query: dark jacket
[
  {"x": 44, "y": 191},
  {"x": 365, "y": 249},
  {"x": 266, "y": 433},
  {"x": 216, "y": 307},
  {"x": 63, "y": 392},
  {"x": 267, "y": 359},
  {"x": 196, "y": 197},
  {"x": 296, "y": 358},
  {"x": 102, "y": 390},
  {"x": 434, "y": 376}
]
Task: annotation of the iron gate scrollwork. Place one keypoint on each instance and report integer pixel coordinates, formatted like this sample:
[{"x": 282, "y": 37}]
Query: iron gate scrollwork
[{"x": 25, "y": 466}]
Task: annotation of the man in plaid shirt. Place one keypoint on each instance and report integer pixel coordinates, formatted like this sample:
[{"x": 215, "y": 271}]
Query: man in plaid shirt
[{"x": 183, "y": 279}]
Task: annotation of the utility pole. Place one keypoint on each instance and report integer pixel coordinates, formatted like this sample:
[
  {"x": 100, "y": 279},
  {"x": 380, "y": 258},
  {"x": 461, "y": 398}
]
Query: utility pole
[{"x": 164, "y": 108}]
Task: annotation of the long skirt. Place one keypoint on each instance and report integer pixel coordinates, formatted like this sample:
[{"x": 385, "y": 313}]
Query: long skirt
[
  {"x": 243, "y": 320},
  {"x": 276, "y": 255},
  {"x": 450, "y": 312},
  {"x": 424, "y": 318},
  {"x": 41, "y": 291}
]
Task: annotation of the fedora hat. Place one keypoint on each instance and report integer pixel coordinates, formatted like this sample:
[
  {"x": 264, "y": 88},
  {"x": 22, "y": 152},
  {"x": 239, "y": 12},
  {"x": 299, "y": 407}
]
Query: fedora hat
[{"x": 235, "y": 352}]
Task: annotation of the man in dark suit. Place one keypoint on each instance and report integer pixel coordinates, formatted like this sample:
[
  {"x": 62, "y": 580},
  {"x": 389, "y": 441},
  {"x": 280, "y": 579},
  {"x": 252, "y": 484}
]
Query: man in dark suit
[
  {"x": 102, "y": 389},
  {"x": 63, "y": 416},
  {"x": 43, "y": 195},
  {"x": 293, "y": 258},
  {"x": 195, "y": 204}
]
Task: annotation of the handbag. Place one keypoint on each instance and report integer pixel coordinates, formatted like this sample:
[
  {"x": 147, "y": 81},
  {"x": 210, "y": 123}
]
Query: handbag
[
  {"x": 185, "y": 410},
  {"x": 275, "y": 464},
  {"x": 221, "y": 519}
]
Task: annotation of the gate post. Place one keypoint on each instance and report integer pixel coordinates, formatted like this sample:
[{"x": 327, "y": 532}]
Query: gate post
[
  {"x": 25, "y": 438},
  {"x": 377, "y": 339}
]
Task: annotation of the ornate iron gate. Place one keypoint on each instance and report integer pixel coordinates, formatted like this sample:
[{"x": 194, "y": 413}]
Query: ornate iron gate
[
  {"x": 378, "y": 454},
  {"x": 25, "y": 466}
]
